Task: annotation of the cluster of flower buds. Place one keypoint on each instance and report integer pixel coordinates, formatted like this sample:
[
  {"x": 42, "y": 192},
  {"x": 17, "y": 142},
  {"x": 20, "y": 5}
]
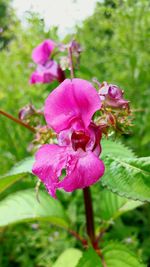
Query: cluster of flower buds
[
  {"x": 47, "y": 69},
  {"x": 43, "y": 135},
  {"x": 115, "y": 111},
  {"x": 30, "y": 115}
]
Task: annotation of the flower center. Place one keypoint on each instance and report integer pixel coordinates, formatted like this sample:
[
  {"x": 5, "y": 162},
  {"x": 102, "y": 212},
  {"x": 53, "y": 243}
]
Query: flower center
[{"x": 79, "y": 140}]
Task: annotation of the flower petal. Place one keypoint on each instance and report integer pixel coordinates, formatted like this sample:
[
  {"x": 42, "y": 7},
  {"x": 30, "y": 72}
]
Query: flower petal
[
  {"x": 87, "y": 170},
  {"x": 42, "y": 52},
  {"x": 95, "y": 138},
  {"x": 72, "y": 100},
  {"x": 50, "y": 160},
  {"x": 36, "y": 77},
  {"x": 46, "y": 74}
]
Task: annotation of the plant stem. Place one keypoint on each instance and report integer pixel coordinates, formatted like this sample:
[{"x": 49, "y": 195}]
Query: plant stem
[
  {"x": 18, "y": 121},
  {"x": 78, "y": 237},
  {"x": 89, "y": 214},
  {"x": 90, "y": 222},
  {"x": 71, "y": 62}
]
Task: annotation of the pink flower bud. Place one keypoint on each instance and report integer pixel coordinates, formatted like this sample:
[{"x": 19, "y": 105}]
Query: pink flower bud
[{"x": 112, "y": 96}]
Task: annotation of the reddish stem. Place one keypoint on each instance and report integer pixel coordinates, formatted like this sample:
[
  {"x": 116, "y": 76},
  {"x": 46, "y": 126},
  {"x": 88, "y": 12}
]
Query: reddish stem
[
  {"x": 18, "y": 121},
  {"x": 78, "y": 237},
  {"x": 89, "y": 214},
  {"x": 102, "y": 232}
]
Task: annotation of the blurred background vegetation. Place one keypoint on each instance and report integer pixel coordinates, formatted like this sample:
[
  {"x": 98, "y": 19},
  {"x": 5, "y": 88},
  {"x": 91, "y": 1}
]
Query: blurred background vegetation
[{"x": 115, "y": 42}]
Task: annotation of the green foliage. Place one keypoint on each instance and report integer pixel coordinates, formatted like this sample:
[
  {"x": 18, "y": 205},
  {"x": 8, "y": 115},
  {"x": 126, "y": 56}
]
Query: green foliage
[
  {"x": 112, "y": 206},
  {"x": 128, "y": 177},
  {"x": 16, "y": 173},
  {"x": 90, "y": 259},
  {"x": 32, "y": 244},
  {"x": 22, "y": 167},
  {"x": 7, "y": 18},
  {"x": 23, "y": 206},
  {"x": 116, "y": 255},
  {"x": 115, "y": 43},
  {"x": 114, "y": 40},
  {"x": 125, "y": 174},
  {"x": 116, "y": 149},
  {"x": 15, "y": 90},
  {"x": 69, "y": 258}
]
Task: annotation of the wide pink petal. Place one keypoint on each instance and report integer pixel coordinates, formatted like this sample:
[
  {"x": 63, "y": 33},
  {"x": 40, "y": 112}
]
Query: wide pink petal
[
  {"x": 50, "y": 160},
  {"x": 42, "y": 52},
  {"x": 72, "y": 100},
  {"x": 87, "y": 170}
]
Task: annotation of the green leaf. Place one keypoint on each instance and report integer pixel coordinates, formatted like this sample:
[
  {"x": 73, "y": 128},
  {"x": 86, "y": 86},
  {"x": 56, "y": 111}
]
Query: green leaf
[
  {"x": 90, "y": 259},
  {"x": 112, "y": 205},
  {"x": 118, "y": 255},
  {"x": 128, "y": 177},
  {"x": 16, "y": 173},
  {"x": 69, "y": 258},
  {"x": 23, "y": 206},
  {"x": 115, "y": 149}
]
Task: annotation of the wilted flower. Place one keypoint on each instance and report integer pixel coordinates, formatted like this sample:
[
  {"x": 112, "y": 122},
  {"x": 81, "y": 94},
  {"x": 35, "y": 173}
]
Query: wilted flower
[
  {"x": 68, "y": 111},
  {"x": 47, "y": 70}
]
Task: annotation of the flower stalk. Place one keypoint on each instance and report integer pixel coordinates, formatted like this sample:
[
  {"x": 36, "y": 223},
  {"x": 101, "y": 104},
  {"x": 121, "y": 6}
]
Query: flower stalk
[
  {"x": 89, "y": 214},
  {"x": 71, "y": 62},
  {"x": 18, "y": 121}
]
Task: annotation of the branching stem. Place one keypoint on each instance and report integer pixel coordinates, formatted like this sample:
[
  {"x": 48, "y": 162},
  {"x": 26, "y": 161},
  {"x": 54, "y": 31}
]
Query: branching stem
[{"x": 18, "y": 121}]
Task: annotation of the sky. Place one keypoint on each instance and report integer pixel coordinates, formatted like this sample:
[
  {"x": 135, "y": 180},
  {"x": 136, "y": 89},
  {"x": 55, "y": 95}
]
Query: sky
[{"x": 62, "y": 13}]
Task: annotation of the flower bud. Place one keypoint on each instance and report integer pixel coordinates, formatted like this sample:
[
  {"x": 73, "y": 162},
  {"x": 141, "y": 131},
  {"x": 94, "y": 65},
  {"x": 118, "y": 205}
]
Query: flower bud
[
  {"x": 26, "y": 112},
  {"x": 112, "y": 96}
]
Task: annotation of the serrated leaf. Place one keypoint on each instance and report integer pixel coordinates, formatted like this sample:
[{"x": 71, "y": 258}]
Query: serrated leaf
[
  {"x": 16, "y": 173},
  {"x": 90, "y": 259},
  {"x": 23, "y": 206},
  {"x": 111, "y": 205},
  {"x": 118, "y": 255},
  {"x": 69, "y": 258},
  {"x": 128, "y": 177},
  {"x": 115, "y": 149}
]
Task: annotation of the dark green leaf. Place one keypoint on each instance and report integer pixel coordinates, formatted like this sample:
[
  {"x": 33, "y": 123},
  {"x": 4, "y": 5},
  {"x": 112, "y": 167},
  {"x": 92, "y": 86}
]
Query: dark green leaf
[{"x": 128, "y": 177}]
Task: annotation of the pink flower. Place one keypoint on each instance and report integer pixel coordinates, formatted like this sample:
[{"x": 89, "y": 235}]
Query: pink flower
[
  {"x": 42, "y": 52},
  {"x": 47, "y": 69},
  {"x": 68, "y": 111},
  {"x": 111, "y": 95},
  {"x": 47, "y": 73}
]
